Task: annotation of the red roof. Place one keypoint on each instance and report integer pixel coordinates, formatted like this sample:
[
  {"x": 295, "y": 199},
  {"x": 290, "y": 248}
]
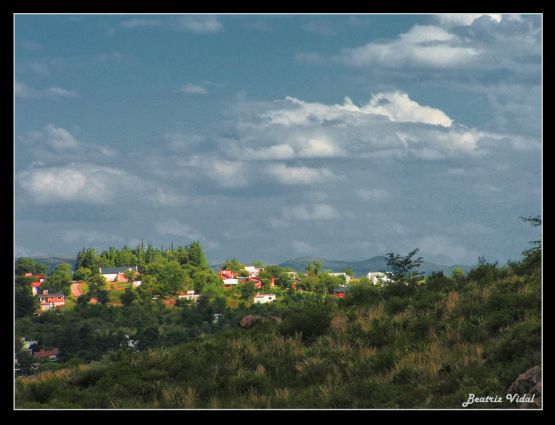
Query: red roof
[
  {"x": 35, "y": 284},
  {"x": 226, "y": 274},
  {"x": 43, "y": 354},
  {"x": 40, "y": 276}
]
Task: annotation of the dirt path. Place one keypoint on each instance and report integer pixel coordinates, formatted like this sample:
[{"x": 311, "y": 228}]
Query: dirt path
[{"x": 76, "y": 289}]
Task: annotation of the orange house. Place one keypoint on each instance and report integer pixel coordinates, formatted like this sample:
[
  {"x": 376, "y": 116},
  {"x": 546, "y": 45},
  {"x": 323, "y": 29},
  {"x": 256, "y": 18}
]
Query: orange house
[{"x": 48, "y": 301}]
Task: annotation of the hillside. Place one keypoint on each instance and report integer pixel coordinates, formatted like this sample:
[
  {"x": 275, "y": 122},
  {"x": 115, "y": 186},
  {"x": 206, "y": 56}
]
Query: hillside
[
  {"x": 360, "y": 268},
  {"x": 398, "y": 346}
]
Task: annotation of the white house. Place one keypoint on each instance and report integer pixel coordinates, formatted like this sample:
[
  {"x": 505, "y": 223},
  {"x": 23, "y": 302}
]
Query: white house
[
  {"x": 253, "y": 271},
  {"x": 113, "y": 274},
  {"x": 231, "y": 281},
  {"x": 189, "y": 296},
  {"x": 264, "y": 298},
  {"x": 347, "y": 277},
  {"x": 378, "y": 278}
]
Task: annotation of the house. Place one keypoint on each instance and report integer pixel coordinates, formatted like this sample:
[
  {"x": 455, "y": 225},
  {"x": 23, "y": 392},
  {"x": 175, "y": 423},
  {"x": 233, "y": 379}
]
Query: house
[
  {"x": 345, "y": 275},
  {"x": 35, "y": 287},
  {"x": 43, "y": 355},
  {"x": 264, "y": 298},
  {"x": 257, "y": 282},
  {"x": 227, "y": 274},
  {"x": 137, "y": 283},
  {"x": 341, "y": 291},
  {"x": 190, "y": 295},
  {"x": 253, "y": 271},
  {"x": 228, "y": 283},
  {"x": 40, "y": 277},
  {"x": 117, "y": 274},
  {"x": 378, "y": 278},
  {"x": 48, "y": 301}
]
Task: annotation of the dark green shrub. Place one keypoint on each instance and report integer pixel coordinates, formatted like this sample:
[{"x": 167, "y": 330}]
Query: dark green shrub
[{"x": 310, "y": 322}]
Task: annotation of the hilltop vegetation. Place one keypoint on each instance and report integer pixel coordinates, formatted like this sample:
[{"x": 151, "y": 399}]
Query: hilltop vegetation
[{"x": 419, "y": 343}]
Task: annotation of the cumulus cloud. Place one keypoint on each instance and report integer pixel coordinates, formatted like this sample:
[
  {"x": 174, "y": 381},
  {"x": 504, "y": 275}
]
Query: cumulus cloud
[
  {"x": 87, "y": 183},
  {"x": 390, "y": 124},
  {"x": 299, "y": 175},
  {"x": 193, "y": 89},
  {"x": 200, "y": 24},
  {"x": 422, "y": 46},
  {"x": 57, "y": 138},
  {"x": 466, "y": 19},
  {"x": 396, "y": 106}
]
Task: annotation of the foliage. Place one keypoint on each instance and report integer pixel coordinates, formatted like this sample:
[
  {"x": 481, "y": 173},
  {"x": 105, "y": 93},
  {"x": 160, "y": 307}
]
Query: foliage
[{"x": 403, "y": 267}]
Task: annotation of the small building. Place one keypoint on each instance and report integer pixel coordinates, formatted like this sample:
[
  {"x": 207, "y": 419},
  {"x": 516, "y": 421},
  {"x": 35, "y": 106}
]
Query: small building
[
  {"x": 345, "y": 275},
  {"x": 378, "y": 278},
  {"x": 264, "y": 298},
  {"x": 341, "y": 291},
  {"x": 257, "y": 282},
  {"x": 48, "y": 301},
  {"x": 253, "y": 271},
  {"x": 228, "y": 283},
  {"x": 137, "y": 283},
  {"x": 227, "y": 274},
  {"x": 117, "y": 274},
  {"x": 190, "y": 295},
  {"x": 35, "y": 287}
]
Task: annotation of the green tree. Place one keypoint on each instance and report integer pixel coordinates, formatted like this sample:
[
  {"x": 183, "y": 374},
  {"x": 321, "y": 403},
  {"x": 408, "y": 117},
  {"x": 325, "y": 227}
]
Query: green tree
[
  {"x": 196, "y": 255},
  {"x": 82, "y": 273},
  {"x": 24, "y": 302},
  {"x": 28, "y": 265},
  {"x": 403, "y": 268},
  {"x": 349, "y": 272},
  {"x": 60, "y": 279},
  {"x": 88, "y": 258},
  {"x": 232, "y": 264},
  {"x": 313, "y": 268},
  {"x": 128, "y": 297}
]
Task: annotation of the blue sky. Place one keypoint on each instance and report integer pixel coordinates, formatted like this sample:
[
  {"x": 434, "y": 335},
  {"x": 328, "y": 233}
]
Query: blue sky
[{"x": 276, "y": 136}]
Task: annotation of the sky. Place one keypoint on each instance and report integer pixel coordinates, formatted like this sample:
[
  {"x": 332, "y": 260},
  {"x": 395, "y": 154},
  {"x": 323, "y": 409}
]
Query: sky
[{"x": 270, "y": 137}]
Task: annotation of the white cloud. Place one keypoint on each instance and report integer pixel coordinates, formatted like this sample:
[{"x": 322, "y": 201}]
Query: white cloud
[
  {"x": 227, "y": 173},
  {"x": 23, "y": 91},
  {"x": 58, "y": 92},
  {"x": 80, "y": 182},
  {"x": 174, "y": 227},
  {"x": 140, "y": 23},
  {"x": 54, "y": 137},
  {"x": 193, "y": 89},
  {"x": 466, "y": 19},
  {"x": 200, "y": 24},
  {"x": 299, "y": 175},
  {"x": 396, "y": 106},
  {"x": 421, "y": 46}
]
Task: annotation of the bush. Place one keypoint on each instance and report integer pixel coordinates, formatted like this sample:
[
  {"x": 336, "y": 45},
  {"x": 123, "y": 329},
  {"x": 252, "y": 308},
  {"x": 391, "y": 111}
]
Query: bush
[{"x": 310, "y": 322}]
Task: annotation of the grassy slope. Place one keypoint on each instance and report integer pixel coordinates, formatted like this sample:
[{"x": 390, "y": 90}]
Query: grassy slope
[{"x": 428, "y": 347}]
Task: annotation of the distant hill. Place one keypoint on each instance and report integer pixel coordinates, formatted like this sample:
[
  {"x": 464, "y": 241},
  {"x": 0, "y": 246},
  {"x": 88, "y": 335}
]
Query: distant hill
[
  {"x": 52, "y": 262},
  {"x": 360, "y": 268}
]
